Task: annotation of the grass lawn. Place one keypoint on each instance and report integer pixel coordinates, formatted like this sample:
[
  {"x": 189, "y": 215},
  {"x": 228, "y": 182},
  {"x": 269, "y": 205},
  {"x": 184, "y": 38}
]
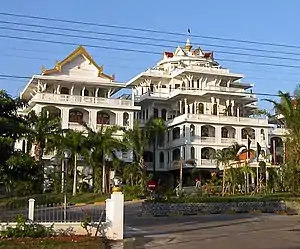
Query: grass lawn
[{"x": 56, "y": 242}]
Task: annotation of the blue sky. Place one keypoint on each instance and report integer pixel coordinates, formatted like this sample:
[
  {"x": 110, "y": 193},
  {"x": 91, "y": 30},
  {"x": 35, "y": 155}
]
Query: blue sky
[{"x": 267, "y": 21}]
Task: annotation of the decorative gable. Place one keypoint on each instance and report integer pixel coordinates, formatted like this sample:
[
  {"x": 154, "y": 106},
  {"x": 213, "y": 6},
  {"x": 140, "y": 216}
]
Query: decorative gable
[{"x": 78, "y": 62}]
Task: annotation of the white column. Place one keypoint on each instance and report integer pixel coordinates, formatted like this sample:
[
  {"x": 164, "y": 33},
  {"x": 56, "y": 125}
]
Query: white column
[
  {"x": 238, "y": 134},
  {"x": 186, "y": 106},
  {"x": 64, "y": 118},
  {"x": 82, "y": 91},
  {"x": 218, "y": 134},
  {"x": 238, "y": 111},
  {"x": 180, "y": 106},
  {"x": 72, "y": 90},
  {"x": 96, "y": 92},
  {"x": 218, "y": 103},
  {"x": 232, "y": 107},
  {"x": 31, "y": 209},
  {"x": 115, "y": 216},
  {"x": 93, "y": 119},
  {"x": 58, "y": 89}
]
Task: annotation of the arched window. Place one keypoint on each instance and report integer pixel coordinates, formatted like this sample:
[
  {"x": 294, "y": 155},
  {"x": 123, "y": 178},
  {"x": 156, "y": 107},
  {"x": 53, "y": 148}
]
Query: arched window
[
  {"x": 204, "y": 131},
  {"x": 215, "y": 108},
  {"x": 23, "y": 146},
  {"x": 75, "y": 116},
  {"x": 103, "y": 118},
  {"x": 224, "y": 132},
  {"x": 200, "y": 108},
  {"x": 125, "y": 119},
  {"x": 176, "y": 154},
  {"x": 164, "y": 114},
  {"x": 64, "y": 90},
  {"x": 262, "y": 134},
  {"x": 176, "y": 133},
  {"x": 155, "y": 113},
  {"x": 161, "y": 157},
  {"x": 192, "y": 130},
  {"x": 148, "y": 156},
  {"x": 192, "y": 153},
  {"x": 86, "y": 92},
  {"x": 248, "y": 132}
]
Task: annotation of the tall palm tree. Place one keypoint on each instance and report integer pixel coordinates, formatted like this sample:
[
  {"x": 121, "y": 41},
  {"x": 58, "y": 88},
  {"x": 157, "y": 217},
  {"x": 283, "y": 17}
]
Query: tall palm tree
[
  {"x": 103, "y": 145},
  {"x": 287, "y": 110},
  {"x": 156, "y": 129},
  {"x": 222, "y": 158},
  {"x": 40, "y": 128},
  {"x": 137, "y": 139}
]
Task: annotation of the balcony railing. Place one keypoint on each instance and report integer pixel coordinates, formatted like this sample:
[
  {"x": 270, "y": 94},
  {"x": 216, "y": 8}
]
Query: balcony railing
[
  {"x": 228, "y": 140},
  {"x": 208, "y": 139},
  {"x": 218, "y": 119},
  {"x": 208, "y": 162},
  {"x": 51, "y": 97}
]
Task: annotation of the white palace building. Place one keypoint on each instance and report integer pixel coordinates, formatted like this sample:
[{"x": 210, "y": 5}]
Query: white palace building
[{"x": 206, "y": 107}]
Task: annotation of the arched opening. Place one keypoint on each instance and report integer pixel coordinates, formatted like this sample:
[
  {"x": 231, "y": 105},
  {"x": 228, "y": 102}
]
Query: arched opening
[
  {"x": 76, "y": 116},
  {"x": 161, "y": 157},
  {"x": 262, "y": 135},
  {"x": 52, "y": 111},
  {"x": 192, "y": 130},
  {"x": 227, "y": 132},
  {"x": 207, "y": 156},
  {"x": 248, "y": 133},
  {"x": 64, "y": 90},
  {"x": 176, "y": 133},
  {"x": 176, "y": 154},
  {"x": 276, "y": 150},
  {"x": 155, "y": 113},
  {"x": 125, "y": 119},
  {"x": 215, "y": 109},
  {"x": 200, "y": 108},
  {"x": 86, "y": 92},
  {"x": 148, "y": 156},
  {"x": 164, "y": 114},
  {"x": 207, "y": 131},
  {"x": 192, "y": 153},
  {"x": 103, "y": 118}
]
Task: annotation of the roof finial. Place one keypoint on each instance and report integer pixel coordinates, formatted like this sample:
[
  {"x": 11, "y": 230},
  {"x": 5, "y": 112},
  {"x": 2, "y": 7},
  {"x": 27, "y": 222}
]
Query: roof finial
[{"x": 188, "y": 45}]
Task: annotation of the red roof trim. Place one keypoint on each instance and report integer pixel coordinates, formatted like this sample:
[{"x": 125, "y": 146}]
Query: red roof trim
[{"x": 169, "y": 54}]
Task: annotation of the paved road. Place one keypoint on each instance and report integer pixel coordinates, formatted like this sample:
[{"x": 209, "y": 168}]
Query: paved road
[{"x": 240, "y": 231}]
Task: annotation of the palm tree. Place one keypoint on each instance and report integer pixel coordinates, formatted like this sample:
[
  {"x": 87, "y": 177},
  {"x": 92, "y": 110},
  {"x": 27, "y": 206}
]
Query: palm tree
[
  {"x": 136, "y": 139},
  {"x": 41, "y": 127},
  {"x": 287, "y": 110},
  {"x": 155, "y": 128},
  {"x": 103, "y": 145},
  {"x": 222, "y": 158}
]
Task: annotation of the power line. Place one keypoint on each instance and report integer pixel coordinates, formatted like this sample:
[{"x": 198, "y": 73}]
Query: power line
[
  {"x": 146, "y": 38},
  {"x": 130, "y": 87},
  {"x": 147, "y": 30},
  {"x": 138, "y": 51},
  {"x": 142, "y": 43}
]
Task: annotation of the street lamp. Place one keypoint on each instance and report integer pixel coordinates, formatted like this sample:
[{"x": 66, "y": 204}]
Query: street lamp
[{"x": 66, "y": 156}]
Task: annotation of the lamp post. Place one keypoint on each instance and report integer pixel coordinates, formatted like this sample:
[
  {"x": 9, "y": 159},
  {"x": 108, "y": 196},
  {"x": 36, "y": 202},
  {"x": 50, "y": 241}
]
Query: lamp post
[{"x": 66, "y": 156}]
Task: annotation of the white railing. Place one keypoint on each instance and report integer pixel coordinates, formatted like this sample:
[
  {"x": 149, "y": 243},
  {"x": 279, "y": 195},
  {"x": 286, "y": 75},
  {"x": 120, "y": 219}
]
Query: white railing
[
  {"x": 208, "y": 69},
  {"x": 76, "y": 126},
  {"x": 208, "y": 139},
  {"x": 228, "y": 140},
  {"x": 225, "y": 119},
  {"x": 81, "y": 99},
  {"x": 209, "y": 162}
]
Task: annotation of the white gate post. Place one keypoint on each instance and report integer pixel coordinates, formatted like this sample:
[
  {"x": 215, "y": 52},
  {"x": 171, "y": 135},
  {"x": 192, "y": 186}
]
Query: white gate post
[
  {"x": 115, "y": 216},
  {"x": 31, "y": 209}
]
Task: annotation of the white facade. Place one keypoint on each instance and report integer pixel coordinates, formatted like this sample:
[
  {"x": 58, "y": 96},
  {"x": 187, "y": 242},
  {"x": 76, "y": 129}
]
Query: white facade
[
  {"x": 77, "y": 90},
  {"x": 206, "y": 107}
]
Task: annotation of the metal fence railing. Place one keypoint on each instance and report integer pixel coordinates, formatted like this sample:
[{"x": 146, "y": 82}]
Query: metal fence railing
[{"x": 53, "y": 213}]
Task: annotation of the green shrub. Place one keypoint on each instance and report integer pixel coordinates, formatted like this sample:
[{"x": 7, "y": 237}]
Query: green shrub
[
  {"x": 134, "y": 192},
  {"x": 24, "y": 230}
]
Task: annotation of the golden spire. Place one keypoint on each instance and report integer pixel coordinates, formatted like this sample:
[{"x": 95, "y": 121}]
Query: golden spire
[{"x": 188, "y": 45}]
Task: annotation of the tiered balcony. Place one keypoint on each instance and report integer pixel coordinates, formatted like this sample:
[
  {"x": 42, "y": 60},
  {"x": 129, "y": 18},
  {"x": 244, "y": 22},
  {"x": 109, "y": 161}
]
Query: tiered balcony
[
  {"x": 82, "y": 100},
  {"x": 203, "y": 118}
]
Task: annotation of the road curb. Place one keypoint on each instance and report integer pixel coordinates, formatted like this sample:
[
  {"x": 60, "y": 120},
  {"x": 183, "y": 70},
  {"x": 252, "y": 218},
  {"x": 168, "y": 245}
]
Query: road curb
[{"x": 103, "y": 202}]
